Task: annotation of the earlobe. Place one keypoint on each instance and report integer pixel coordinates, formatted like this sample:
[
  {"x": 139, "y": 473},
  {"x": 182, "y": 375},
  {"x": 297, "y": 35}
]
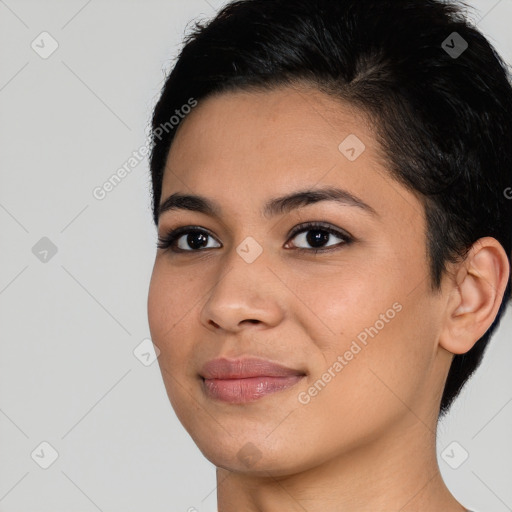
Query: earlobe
[{"x": 476, "y": 296}]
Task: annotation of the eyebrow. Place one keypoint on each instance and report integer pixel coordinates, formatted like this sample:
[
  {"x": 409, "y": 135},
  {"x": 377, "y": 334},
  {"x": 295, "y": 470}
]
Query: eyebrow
[{"x": 273, "y": 207}]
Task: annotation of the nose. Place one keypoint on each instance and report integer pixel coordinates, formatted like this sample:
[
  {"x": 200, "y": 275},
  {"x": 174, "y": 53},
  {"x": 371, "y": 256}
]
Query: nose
[{"x": 245, "y": 294}]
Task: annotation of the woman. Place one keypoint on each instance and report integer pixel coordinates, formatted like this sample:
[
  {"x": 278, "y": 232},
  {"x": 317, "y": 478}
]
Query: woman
[{"x": 329, "y": 186}]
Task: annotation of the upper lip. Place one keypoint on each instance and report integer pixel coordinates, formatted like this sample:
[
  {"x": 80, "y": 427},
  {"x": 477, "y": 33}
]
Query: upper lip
[{"x": 223, "y": 368}]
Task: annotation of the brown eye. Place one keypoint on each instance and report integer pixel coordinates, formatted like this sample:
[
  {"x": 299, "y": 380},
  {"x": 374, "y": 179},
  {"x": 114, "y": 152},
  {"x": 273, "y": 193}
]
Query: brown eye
[
  {"x": 186, "y": 239},
  {"x": 319, "y": 237}
]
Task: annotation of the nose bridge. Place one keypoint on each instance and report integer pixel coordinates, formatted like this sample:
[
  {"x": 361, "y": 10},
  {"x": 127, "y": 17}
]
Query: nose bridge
[
  {"x": 242, "y": 291},
  {"x": 246, "y": 272}
]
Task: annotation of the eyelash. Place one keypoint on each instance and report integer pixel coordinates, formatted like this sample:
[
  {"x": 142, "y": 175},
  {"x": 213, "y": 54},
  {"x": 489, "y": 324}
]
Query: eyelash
[{"x": 168, "y": 242}]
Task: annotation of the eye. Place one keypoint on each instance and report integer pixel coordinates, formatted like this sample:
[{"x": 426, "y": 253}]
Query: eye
[
  {"x": 177, "y": 240},
  {"x": 319, "y": 236},
  {"x": 316, "y": 234}
]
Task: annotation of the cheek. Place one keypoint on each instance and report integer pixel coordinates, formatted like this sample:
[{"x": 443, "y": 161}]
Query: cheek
[
  {"x": 381, "y": 330},
  {"x": 359, "y": 389},
  {"x": 168, "y": 310},
  {"x": 158, "y": 311},
  {"x": 340, "y": 304}
]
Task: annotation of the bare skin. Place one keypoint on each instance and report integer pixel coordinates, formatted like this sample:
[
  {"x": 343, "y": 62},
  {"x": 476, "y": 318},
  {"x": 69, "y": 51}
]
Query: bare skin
[{"x": 366, "y": 440}]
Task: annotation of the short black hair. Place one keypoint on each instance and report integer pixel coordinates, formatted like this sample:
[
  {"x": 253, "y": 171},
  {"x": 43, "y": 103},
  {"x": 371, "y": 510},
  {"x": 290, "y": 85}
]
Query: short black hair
[{"x": 437, "y": 91}]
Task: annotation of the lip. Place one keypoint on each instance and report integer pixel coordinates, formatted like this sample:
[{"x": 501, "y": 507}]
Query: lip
[
  {"x": 246, "y": 380},
  {"x": 244, "y": 368}
]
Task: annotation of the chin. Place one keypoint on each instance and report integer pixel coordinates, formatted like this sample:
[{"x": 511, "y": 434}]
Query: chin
[{"x": 259, "y": 456}]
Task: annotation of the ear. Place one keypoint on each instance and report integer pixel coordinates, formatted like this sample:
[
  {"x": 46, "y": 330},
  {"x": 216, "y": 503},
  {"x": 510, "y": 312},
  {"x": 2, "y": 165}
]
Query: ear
[{"x": 476, "y": 295}]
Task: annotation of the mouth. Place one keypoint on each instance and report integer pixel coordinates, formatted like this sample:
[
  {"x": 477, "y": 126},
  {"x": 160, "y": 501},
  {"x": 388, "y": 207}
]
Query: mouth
[
  {"x": 238, "y": 391},
  {"x": 246, "y": 380}
]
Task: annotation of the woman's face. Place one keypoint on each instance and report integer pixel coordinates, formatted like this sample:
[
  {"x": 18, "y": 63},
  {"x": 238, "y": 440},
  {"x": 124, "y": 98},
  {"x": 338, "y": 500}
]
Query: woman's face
[{"x": 355, "y": 321}]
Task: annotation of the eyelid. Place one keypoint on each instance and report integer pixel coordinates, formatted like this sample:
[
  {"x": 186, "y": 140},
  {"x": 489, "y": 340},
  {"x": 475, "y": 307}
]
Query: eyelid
[{"x": 311, "y": 225}]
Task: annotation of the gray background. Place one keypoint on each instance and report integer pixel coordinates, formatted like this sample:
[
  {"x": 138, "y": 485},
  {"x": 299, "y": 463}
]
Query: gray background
[{"x": 70, "y": 324}]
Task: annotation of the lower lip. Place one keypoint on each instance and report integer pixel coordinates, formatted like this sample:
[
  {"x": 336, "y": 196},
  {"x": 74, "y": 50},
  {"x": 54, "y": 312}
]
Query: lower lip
[{"x": 238, "y": 391}]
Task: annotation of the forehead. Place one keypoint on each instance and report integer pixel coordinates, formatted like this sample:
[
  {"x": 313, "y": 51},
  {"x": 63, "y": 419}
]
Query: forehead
[
  {"x": 243, "y": 147},
  {"x": 308, "y": 122}
]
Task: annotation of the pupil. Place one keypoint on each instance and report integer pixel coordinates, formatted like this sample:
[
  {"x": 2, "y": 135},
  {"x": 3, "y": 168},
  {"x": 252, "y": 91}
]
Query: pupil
[
  {"x": 321, "y": 237},
  {"x": 196, "y": 240}
]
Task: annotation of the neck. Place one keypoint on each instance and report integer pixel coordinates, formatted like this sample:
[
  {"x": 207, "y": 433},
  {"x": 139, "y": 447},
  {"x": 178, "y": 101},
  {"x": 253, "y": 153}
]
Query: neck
[{"x": 398, "y": 471}]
